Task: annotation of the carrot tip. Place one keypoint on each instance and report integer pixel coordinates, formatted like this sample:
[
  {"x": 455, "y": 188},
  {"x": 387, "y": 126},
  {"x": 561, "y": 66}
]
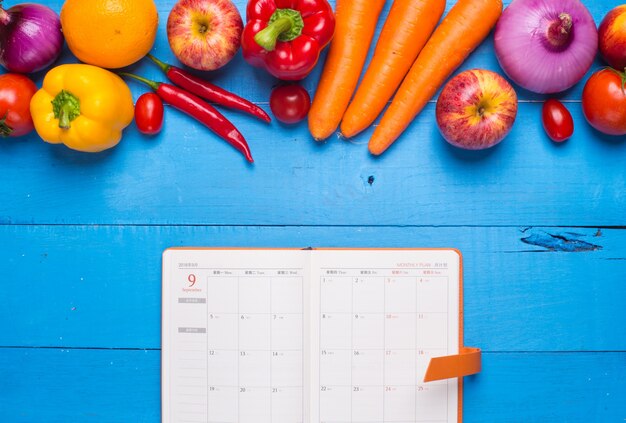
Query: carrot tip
[
  {"x": 347, "y": 134},
  {"x": 376, "y": 151}
]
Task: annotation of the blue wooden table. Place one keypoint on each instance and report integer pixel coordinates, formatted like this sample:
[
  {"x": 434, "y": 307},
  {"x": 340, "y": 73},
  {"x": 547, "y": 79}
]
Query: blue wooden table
[{"x": 541, "y": 226}]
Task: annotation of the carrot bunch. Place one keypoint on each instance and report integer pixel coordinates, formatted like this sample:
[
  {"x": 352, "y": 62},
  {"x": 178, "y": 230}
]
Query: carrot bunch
[
  {"x": 406, "y": 31},
  {"x": 355, "y": 24},
  {"x": 408, "y": 55}
]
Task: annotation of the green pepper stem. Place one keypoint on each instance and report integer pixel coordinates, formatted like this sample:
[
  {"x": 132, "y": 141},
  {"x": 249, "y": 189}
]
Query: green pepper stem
[
  {"x": 152, "y": 84},
  {"x": 268, "y": 37},
  {"x": 284, "y": 25},
  {"x": 164, "y": 66},
  {"x": 64, "y": 117},
  {"x": 66, "y": 108}
]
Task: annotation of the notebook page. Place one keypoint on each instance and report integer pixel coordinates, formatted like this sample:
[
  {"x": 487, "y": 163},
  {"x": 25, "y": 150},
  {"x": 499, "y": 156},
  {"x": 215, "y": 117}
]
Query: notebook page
[
  {"x": 235, "y": 337},
  {"x": 377, "y": 317}
]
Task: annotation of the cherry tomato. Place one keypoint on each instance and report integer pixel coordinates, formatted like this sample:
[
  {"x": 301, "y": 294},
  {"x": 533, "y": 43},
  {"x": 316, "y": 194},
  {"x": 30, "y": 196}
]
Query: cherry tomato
[
  {"x": 149, "y": 114},
  {"x": 15, "y": 94},
  {"x": 557, "y": 121},
  {"x": 290, "y": 103},
  {"x": 604, "y": 102}
]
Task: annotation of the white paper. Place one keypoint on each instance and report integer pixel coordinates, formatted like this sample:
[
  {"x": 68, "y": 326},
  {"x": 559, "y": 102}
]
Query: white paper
[
  {"x": 378, "y": 317},
  {"x": 300, "y": 336},
  {"x": 235, "y": 336}
]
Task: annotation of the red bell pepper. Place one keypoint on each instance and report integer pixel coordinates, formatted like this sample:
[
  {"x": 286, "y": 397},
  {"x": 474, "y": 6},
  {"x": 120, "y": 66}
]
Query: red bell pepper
[{"x": 286, "y": 37}]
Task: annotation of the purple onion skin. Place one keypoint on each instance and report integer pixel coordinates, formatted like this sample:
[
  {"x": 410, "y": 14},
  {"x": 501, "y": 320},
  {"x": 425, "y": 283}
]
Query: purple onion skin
[
  {"x": 30, "y": 38},
  {"x": 537, "y": 59}
]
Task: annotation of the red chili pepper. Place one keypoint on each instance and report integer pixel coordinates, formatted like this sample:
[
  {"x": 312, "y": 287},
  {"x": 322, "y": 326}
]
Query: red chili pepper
[
  {"x": 200, "y": 110},
  {"x": 209, "y": 91},
  {"x": 287, "y": 37}
]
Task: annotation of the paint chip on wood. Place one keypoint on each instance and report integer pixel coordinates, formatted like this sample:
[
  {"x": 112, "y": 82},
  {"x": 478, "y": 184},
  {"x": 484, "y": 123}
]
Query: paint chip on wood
[{"x": 568, "y": 243}]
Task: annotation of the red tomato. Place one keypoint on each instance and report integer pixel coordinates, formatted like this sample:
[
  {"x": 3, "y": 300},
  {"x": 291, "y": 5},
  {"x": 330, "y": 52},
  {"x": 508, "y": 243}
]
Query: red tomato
[
  {"x": 604, "y": 102},
  {"x": 290, "y": 103},
  {"x": 557, "y": 121},
  {"x": 149, "y": 114},
  {"x": 15, "y": 94}
]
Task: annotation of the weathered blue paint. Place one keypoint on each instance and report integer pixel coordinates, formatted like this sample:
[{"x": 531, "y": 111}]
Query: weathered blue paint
[
  {"x": 565, "y": 242},
  {"x": 540, "y": 225}
]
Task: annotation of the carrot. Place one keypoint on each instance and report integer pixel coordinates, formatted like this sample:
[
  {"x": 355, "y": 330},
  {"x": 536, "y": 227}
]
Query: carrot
[
  {"x": 462, "y": 30},
  {"x": 354, "y": 29},
  {"x": 406, "y": 31}
]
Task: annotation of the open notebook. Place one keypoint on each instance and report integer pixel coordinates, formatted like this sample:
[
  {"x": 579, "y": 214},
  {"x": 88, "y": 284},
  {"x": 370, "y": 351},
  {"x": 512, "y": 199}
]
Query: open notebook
[{"x": 309, "y": 336}]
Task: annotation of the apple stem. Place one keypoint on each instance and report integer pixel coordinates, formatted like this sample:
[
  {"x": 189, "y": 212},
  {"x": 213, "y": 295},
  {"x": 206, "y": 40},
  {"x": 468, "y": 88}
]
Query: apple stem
[{"x": 284, "y": 25}]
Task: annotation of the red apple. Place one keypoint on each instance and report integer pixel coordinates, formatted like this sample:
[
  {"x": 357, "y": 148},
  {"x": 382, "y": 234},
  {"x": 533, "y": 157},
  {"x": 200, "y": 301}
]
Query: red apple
[
  {"x": 204, "y": 34},
  {"x": 476, "y": 109},
  {"x": 612, "y": 38}
]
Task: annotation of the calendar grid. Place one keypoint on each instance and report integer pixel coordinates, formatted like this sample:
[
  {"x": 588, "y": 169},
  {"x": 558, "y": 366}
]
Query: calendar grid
[
  {"x": 271, "y": 364},
  {"x": 384, "y": 354},
  {"x": 398, "y": 314},
  {"x": 319, "y": 368},
  {"x": 447, "y": 343},
  {"x": 208, "y": 397},
  {"x": 375, "y": 330},
  {"x": 384, "y": 390},
  {"x": 238, "y": 348},
  {"x": 277, "y": 350},
  {"x": 352, "y": 353},
  {"x": 417, "y": 308}
]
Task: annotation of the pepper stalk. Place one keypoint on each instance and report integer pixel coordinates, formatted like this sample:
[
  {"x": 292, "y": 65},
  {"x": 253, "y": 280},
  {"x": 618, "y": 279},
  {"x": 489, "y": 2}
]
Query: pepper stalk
[
  {"x": 284, "y": 25},
  {"x": 66, "y": 108}
]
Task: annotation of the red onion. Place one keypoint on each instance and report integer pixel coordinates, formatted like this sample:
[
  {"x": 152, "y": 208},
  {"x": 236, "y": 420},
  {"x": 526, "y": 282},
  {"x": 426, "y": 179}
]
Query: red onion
[
  {"x": 30, "y": 37},
  {"x": 546, "y": 46}
]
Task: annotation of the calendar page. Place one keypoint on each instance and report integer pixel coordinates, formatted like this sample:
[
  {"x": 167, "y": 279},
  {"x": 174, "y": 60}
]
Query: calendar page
[
  {"x": 308, "y": 336},
  {"x": 235, "y": 336},
  {"x": 378, "y": 317}
]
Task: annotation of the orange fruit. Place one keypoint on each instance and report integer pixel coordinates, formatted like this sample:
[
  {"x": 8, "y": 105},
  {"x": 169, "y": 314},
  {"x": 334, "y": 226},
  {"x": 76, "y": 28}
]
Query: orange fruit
[{"x": 109, "y": 33}]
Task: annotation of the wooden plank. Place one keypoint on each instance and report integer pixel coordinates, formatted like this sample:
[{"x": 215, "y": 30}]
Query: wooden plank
[
  {"x": 579, "y": 387},
  {"x": 187, "y": 176},
  {"x": 80, "y": 286},
  {"x": 55, "y": 385},
  {"x": 61, "y": 385}
]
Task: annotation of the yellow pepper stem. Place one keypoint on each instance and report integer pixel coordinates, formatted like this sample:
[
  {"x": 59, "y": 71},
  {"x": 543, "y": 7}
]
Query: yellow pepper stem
[{"x": 66, "y": 108}]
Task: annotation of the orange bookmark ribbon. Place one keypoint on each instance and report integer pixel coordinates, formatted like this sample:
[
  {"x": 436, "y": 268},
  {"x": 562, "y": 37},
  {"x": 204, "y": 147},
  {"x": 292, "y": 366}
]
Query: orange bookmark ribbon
[{"x": 467, "y": 362}]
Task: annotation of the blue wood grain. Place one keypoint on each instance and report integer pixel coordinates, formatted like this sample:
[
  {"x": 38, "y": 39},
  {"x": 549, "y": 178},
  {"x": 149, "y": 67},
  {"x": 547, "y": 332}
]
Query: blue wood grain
[
  {"x": 112, "y": 386},
  {"x": 81, "y": 238},
  {"x": 83, "y": 286},
  {"x": 63, "y": 385},
  {"x": 188, "y": 176}
]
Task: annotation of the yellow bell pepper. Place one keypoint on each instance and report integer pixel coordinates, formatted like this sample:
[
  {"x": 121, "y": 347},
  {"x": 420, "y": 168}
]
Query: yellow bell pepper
[{"x": 82, "y": 106}]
